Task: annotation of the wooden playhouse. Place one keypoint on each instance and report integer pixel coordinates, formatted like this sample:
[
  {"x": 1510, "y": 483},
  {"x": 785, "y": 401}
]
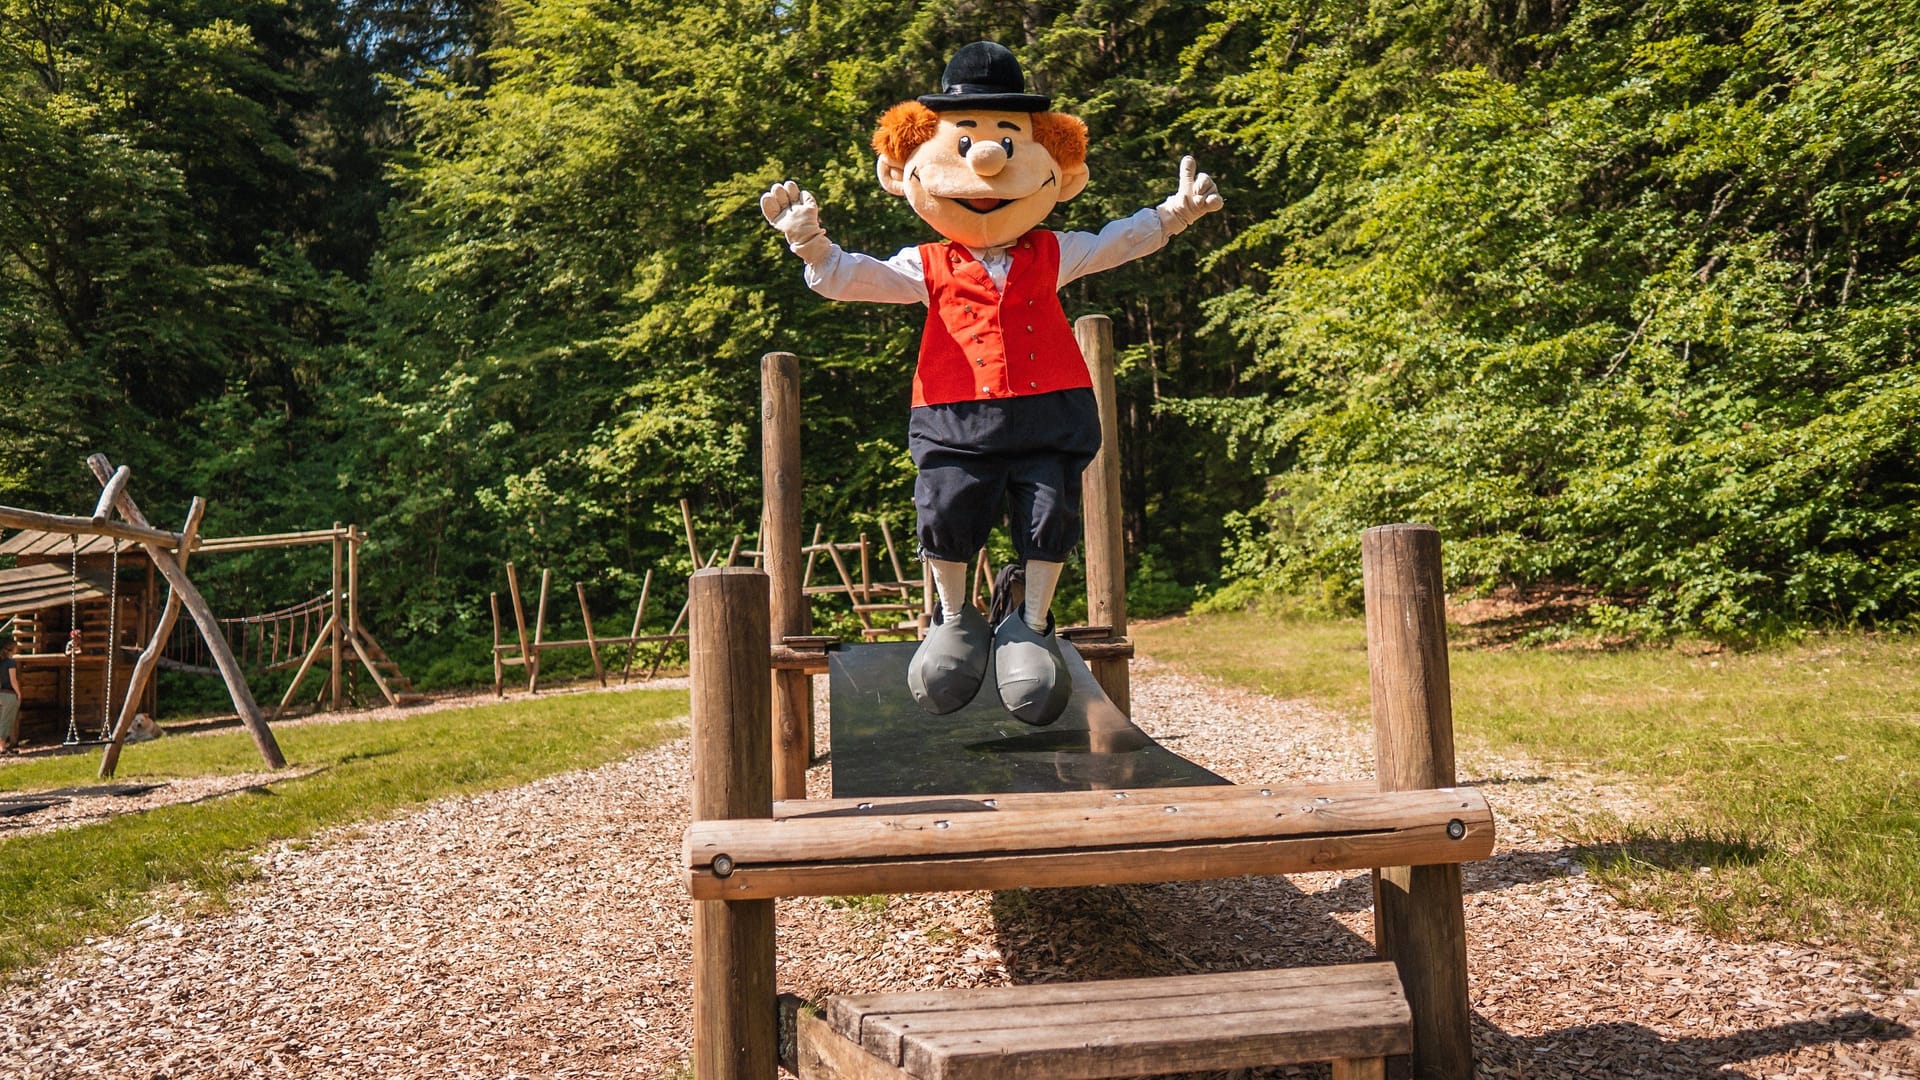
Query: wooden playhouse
[{"x": 55, "y": 585}]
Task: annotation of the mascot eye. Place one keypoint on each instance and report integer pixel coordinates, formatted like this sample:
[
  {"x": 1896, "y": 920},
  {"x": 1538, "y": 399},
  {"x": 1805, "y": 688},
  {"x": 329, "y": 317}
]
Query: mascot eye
[
  {"x": 966, "y": 144},
  {"x": 1008, "y": 143}
]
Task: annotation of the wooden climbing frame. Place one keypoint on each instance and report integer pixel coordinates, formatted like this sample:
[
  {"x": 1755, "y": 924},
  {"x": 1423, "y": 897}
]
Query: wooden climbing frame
[{"x": 755, "y": 836}]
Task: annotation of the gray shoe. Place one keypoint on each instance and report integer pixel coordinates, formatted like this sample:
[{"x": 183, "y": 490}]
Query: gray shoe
[
  {"x": 1034, "y": 683},
  {"x": 951, "y": 663}
]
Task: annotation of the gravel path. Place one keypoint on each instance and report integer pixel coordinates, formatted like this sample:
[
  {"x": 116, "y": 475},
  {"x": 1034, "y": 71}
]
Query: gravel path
[{"x": 542, "y": 932}]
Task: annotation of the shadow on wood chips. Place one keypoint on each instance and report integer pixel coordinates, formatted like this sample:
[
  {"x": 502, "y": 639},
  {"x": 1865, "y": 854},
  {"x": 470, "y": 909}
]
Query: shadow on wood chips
[{"x": 1180, "y": 928}]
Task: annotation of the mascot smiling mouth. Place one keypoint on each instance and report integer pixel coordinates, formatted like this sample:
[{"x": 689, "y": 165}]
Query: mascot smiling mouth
[{"x": 988, "y": 204}]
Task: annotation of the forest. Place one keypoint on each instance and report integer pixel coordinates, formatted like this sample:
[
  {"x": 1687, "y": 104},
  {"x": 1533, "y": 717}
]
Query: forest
[{"x": 1621, "y": 295}]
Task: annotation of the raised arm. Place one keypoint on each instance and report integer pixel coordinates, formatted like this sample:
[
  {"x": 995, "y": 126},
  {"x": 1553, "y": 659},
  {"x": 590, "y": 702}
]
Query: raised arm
[
  {"x": 1142, "y": 233},
  {"x": 835, "y": 273}
]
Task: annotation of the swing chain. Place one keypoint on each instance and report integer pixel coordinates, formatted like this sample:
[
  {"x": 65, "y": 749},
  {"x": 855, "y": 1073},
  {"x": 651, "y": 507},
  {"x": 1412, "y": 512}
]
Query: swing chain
[
  {"x": 73, "y": 644},
  {"x": 113, "y": 645}
]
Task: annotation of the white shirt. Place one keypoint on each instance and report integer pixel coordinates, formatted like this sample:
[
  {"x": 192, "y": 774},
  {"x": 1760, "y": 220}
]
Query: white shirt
[{"x": 849, "y": 275}]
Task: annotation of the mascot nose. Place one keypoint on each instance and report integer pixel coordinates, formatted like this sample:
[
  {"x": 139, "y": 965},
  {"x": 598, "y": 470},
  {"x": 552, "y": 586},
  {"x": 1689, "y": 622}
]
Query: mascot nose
[{"x": 987, "y": 158}]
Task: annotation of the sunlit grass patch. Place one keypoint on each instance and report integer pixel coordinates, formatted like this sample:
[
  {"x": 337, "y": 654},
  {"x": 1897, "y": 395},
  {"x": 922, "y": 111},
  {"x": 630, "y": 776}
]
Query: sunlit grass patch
[
  {"x": 1794, "y": 770},
  {"x": 59, "y": 887}
]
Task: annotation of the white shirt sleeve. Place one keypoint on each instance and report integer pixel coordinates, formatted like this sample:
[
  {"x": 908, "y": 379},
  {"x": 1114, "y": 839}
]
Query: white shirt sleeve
[
  {"x": 850, "y": 275},
  {"x": 1120, "y": 242}
]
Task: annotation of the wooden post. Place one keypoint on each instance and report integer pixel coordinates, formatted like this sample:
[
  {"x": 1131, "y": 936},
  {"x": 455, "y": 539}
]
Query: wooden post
[
  {"x": 519, "y": 615},
  {"x": 352, "y": 636},
  {"x": 813, "y": 552},
  {"x": 1419, "y": 918},
  {"x": 313, "y": 653},
  {"x": 586, "y": 619},
  {"x": 660, "y": 650},
  {"x": 151, "y": 699},
  {"x": 353, "y": 580},
  {"x": 539, "y": 632},
  {"x": 339, "y": 624},
  {"x": 780, "y": 540},
  {"x": 196, "y": 605},
  {"x": 866, "y": 583},
  {"x": 1106, "y": 546},
  {"x": 893, "y": 553},
  {"x": 110, "y": 494},
  {"x": 150, "y": 658},
  {"x": 499, "y": 669},
  {"x": 633, "y": 636},
  {"x": 734, "y": 1010},
  {"x": 693, "y": 546}
]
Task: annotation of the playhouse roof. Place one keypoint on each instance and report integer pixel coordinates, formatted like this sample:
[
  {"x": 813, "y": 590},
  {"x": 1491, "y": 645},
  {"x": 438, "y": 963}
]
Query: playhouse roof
[
  {"x": 34, "y": 543},
  {"x": 47, "y": 585}
]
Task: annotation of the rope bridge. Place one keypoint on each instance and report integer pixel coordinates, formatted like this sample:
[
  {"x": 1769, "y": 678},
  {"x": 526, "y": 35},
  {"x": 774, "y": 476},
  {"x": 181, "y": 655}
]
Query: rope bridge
[{"x": 270, "y": 641}]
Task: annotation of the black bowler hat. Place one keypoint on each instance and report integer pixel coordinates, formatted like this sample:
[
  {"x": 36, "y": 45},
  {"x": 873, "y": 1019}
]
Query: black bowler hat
[{"x": 984, "y": 75}]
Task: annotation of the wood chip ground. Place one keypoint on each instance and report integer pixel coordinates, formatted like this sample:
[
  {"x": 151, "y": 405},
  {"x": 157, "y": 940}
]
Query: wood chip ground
[{"x": 542, "y": 932}]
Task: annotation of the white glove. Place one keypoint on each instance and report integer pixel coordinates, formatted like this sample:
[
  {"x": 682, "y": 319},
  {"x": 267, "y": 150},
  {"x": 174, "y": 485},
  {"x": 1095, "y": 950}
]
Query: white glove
[
  {"x": 1197, "y": 196},
  {"x": 797, "y": 216}
]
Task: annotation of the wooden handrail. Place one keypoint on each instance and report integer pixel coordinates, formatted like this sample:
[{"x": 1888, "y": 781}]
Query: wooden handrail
[{"x": 1151, "y": 836}]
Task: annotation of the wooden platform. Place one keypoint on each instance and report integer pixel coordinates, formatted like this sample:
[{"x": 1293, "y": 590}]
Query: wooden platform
[
  {"x": 1354, "y": 1015},
  {"x": 886, "y": 745},
  {"x": 1081, "y": 838}
]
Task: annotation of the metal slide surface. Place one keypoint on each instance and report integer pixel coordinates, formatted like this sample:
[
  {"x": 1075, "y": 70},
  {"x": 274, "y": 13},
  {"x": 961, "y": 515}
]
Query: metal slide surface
[{"x": 884, "y": 745}]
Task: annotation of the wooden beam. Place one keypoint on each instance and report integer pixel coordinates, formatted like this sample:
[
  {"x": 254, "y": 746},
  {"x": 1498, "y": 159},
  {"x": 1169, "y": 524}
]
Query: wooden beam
[
  {"x": 693, "y": 546},
  {"x": 110, "y": 494},
  {"x": 499, "y": 671},
  {"x": 734, "y": 1013},
  {"x": 633, "y": 638},
  {"x": 1419, "y": 916},
  {"x": 1143, "y": 842},
  {"x": 269, "y": 541},
  {"x": 812, "y": 551},
  {"x": 673, "y": 632},
  {"x": 809, "y": 661},
  {"x": 1142, "y": 820},
  {"x": 586, "y": 619},
  {"x": 519, "y": 614},
  {"x": 320, "y": 644},
  {"x": 15, "y": 518},
  {"x": 539, "y": 632},
  {"x": 143, "y": 668},
  {"x": 1066, "y": 800},
  {"x": 893, "y": 553},
  {"x": 196, "y": 605}
]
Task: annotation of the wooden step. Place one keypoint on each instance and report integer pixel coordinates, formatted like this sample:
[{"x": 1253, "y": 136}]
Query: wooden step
[{"x": 1354, "y": 1015}]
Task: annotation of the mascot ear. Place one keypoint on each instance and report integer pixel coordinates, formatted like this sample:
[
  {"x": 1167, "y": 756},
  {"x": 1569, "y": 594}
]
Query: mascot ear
[
  {"x": 893, "y": 175},
  {"x": 1073, "y": 181}
]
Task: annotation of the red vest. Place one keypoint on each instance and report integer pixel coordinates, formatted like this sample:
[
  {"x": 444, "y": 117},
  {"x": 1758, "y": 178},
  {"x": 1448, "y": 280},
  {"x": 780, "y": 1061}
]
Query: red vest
[{"x": 981, "y": 342}]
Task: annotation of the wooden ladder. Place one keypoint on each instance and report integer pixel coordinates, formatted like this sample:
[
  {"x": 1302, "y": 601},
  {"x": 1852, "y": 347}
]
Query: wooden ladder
[
  {"x": 1353, "y": 1015},
  {"x": 393, "y": 684}
]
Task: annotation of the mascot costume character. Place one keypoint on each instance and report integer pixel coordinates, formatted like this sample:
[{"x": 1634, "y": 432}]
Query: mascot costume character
[{"x": 1003, "y": 411}]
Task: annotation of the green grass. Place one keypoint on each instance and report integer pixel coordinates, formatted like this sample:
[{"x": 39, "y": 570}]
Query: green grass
[
  {"x": 1789, "y": 777},
  {"x": 57, "y": 888}
]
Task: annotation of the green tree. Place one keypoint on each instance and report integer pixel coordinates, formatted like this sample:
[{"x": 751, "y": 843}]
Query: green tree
[
  {"x": 1620, "y": 294},
  {"x": 577, "y": 293}
]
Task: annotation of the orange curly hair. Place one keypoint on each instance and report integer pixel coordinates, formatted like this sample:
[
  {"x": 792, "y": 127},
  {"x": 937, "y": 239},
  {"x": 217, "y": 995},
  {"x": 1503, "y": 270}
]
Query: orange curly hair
[{"x": 905, "y": 126}]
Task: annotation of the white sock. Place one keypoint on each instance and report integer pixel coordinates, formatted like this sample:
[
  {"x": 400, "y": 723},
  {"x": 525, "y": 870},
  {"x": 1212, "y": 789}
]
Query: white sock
[
  {"x": 1042, "y": 579},
  {"x": 950, "y": 581}
]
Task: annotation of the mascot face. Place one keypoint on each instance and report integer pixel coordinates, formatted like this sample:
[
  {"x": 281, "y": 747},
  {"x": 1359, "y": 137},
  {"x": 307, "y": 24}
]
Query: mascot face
[{"x": 981, "y": 177}]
